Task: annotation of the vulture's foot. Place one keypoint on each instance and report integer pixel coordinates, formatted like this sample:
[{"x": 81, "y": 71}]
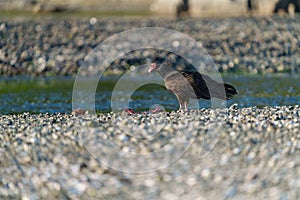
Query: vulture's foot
[{"x": 183, "y": 110}]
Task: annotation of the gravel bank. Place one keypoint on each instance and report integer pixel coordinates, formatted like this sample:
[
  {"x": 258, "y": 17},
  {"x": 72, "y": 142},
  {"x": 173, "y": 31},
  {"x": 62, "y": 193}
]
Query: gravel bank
[
  {"x": 256, "y": 155},
  {"x": 58, "y": 47}
]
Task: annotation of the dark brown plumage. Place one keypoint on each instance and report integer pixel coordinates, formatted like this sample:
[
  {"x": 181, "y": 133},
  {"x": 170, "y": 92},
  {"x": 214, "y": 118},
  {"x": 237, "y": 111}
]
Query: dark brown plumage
[{"x": 192, "y": 84}]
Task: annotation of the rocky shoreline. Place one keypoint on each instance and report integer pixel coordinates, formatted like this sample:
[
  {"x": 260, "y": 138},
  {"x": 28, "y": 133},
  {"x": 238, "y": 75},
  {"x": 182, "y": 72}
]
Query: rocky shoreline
[
  {"x": 57, "y": 47},
  {"x": 256, "y": 155}
]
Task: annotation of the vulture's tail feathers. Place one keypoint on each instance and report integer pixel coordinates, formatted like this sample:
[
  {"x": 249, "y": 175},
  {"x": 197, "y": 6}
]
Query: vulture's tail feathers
[
  {"x": 230, "y": 91},
  {"x": 218, "y": 90}
]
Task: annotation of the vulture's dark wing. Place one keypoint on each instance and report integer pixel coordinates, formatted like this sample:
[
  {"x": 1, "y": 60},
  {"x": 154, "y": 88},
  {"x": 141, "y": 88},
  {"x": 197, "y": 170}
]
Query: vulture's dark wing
[
  {"x": 205, "y": 87},
  {"x": 199, "y": 83}
]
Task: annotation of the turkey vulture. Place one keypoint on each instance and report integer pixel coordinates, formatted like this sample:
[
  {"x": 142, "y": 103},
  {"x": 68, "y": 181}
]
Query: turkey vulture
[{"x": 191, "y": 84}]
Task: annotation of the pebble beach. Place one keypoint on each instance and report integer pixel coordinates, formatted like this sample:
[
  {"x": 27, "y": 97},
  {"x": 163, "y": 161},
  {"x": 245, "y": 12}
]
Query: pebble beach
[
  {"x": 37, "y": 47},
  {"x": 256, "y": 156},
  {"x": 230, "y": 153}
]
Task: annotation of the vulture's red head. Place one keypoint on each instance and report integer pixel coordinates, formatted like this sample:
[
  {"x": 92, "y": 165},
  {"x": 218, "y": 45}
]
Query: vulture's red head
[{"x": 152, "y": 67}]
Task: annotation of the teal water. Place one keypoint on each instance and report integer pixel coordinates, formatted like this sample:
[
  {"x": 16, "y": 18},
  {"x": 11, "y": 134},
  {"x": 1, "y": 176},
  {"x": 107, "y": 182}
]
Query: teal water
[{"x": 52, "y": 95}]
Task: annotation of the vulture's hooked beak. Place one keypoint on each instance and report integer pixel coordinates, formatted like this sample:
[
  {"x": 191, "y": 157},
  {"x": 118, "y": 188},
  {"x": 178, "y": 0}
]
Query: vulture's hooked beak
[{"x": 152, "y": 67}]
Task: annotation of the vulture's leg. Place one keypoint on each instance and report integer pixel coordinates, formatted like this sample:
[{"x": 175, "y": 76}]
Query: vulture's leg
[
  {"x": 181, "y": 106},
  {"x": 181, "y": 102},
  {"x": 186, "y": 103}
]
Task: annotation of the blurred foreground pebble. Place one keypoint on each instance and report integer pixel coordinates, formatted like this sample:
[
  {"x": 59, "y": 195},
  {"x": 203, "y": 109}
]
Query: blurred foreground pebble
[{"x": 256, "y": 155}]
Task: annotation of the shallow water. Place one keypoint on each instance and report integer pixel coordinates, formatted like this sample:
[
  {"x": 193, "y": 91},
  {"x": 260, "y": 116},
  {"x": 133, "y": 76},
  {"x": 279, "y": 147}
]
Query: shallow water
[{"x": 51, "y": 95}]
